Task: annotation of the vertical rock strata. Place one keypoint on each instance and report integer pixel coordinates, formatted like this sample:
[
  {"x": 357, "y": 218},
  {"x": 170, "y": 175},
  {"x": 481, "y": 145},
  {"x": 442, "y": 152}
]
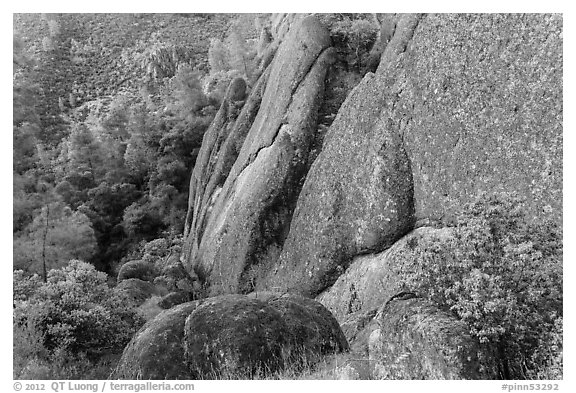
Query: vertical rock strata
[{"x": 244, "y": 221}]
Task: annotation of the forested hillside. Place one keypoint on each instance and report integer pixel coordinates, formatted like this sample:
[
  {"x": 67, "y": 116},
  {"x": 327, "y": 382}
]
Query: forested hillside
[
  {"x": 109, "y": 111},
  {"x": 353, "y": 196}
]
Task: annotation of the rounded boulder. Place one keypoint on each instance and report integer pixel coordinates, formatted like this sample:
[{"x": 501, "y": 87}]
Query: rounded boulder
[
  {"x": 233, "y": 336},
  {"x": 313, "y": 330},
  {"x": 137, "y": 269}
]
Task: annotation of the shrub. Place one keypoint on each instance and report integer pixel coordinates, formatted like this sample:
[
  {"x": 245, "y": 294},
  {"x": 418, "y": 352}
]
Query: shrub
[
  {"x": 76, "y": 312},
  {"x": 501, "y": 273}
]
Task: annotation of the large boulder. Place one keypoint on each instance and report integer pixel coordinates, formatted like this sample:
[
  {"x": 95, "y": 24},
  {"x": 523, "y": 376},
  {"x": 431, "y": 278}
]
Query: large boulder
[
  {"x": 238, "y": 217},
  {"x": 233, "y": 336},
  {"x": 174, "y": 298},
  {"x": 157, "y": 350},
  {"x": 374, "y": 278},
  {"x": 137, "y": 269},
  {"x": 313, "y": 330},
  {"x": 416, "y": 340}
]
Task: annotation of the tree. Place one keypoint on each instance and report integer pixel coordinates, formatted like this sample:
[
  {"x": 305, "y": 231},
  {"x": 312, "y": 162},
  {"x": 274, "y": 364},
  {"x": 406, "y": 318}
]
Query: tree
[
  {"x": 218, "y": 56},
  {"x": 54, "y": 237}
]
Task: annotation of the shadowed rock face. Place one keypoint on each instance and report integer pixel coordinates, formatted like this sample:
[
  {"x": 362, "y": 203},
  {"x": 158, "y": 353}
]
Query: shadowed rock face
[
  {"x": 241, "y": 219},
  {"x": 460, "y": 104},
  {"x": 157, "y": 350},
  {"x": 416, "y": 340},
  {"x": 357, "y": 197}
]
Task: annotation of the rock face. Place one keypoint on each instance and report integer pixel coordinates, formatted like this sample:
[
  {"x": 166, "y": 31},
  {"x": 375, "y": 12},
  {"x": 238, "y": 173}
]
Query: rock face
[
  {"x": 372, "y": 279},
  {"x": 357, "y": 197},
  {"x": 479, "y": 103},
  {"x": 450, "y": 113},
  {"x": 157, "y": 350},
  {"x": 415, "y": 340},
  {"x": 240, "y": 211}
]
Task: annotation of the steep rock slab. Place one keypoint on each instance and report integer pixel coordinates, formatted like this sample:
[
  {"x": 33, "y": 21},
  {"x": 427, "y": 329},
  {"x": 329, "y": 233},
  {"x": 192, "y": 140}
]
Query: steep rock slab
[
  {"x": 357, "y": 197},
  {"x": 220, "y": 148},
  {"x": 480, "y": 101},
  {"x": 416, "y": 340},
  {"x": 157, "y": 350},
  {"x": 252, "y": 210},
  {"x": 372, "y": 279},
  {"x": 234, "y": 336}
]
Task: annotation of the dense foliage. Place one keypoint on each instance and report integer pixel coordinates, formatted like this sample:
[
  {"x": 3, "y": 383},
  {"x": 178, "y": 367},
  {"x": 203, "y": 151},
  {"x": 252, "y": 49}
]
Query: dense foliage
[
  {"x": 75, "y": 314},
  {"x": 501, "y": 273}
]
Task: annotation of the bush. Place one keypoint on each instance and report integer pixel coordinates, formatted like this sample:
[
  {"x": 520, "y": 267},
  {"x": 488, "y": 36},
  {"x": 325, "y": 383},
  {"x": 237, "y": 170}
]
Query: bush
[
  {"x": 501, "y": 274},
  {"x": 77, "y": 313}
]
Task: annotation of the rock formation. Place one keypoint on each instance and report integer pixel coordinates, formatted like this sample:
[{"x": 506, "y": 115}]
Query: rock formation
[
  {"x": 240, "y": 210},
  {"x": 233, "y": 335},
  {"x": 458, "y": 105}
]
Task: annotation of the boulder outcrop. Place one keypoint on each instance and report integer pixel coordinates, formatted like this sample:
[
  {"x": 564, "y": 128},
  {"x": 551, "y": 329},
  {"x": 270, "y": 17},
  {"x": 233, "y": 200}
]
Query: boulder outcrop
[
  {"x": 312, "y": 329},
  {"x": 459, "y": 105}
]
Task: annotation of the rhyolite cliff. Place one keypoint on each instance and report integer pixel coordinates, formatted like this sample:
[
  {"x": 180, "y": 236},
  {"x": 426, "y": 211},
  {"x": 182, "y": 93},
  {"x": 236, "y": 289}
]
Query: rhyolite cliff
[{"x": 457, "y": 105}]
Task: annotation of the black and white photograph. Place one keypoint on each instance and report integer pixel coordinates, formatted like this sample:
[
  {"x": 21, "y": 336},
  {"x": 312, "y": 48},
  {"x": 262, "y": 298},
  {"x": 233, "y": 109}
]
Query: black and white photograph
[{"x": 287, "y": 196}]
